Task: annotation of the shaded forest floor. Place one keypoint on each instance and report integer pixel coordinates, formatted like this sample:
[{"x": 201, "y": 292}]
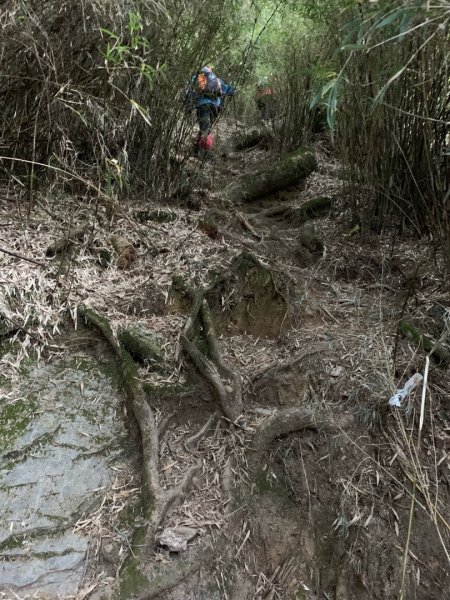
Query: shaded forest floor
[{"x": 321, "y": 515}]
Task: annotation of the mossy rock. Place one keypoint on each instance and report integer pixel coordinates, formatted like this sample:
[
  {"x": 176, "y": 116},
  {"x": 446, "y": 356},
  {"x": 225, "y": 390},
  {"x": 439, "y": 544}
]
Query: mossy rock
[
  {"x": 309, "y": 238},
  {"x": 143, "y": 345},
  {"x": 159, "y": 215}
]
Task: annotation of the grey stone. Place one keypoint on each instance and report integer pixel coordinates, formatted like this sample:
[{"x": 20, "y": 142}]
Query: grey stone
[{"x": 59, "y": 434}]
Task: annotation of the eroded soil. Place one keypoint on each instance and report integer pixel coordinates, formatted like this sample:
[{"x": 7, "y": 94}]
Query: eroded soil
[{"x": 320, "y": 515}]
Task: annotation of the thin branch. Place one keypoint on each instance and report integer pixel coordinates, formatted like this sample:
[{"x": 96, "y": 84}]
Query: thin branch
[
  {"x": 193, "y": 442},
  {"x": 23, "y": 257}
]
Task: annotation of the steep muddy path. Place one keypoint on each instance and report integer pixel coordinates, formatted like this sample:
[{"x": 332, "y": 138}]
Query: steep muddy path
[{"x": 290, "y": 476}]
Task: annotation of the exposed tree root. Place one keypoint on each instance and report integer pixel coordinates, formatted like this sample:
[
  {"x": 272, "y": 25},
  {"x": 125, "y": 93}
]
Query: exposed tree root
[
  {"x": 251, "y": 138},
  {"x": 247, "y": 225},
  {"x": 142, "y": 345},
  {"x": 225, "y": 382},
  {"x": 289, "y": 170},
  {"x": 276, "y": 366},
  {"x": 289, "y": 421},
  {"x": 164, "y": 425},
  {"x": 75, "y": 234},
  {"x": 157, "y": 579},
  {"x": 316, "y": 207},
  {"x": 157, "y": 501},
  {"x": 193, "y": 442}
]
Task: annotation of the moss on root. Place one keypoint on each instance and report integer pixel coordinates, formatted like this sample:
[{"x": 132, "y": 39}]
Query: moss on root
[
  {"x": 435, "y": 350},
  {"x": 288, "y": 171},
  {"x": 133, "y": 582},
  {"x": 143, "y": 345}
]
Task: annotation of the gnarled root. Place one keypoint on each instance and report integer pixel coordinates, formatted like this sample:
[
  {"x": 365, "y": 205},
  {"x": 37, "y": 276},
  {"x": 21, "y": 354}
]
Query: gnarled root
[
  {"x": 193, "y": 442},
  {"x": 289, "y": 421},
  {"x": 225, "y": 382},
  {"x": 157, "y": 501}
]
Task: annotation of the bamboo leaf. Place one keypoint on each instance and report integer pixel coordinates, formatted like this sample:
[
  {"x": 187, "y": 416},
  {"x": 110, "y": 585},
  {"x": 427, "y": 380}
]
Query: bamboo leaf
[
  {"x": 315, "y": 101},
  {"x": 404, "y": 25},
  {"x": 380, "y": 95},
  {"x": 390, "y": 18},
  {"x": 328, "y": 86},
  {"x": 353, "y": 47},
  {"x": 109, "y": 33}
]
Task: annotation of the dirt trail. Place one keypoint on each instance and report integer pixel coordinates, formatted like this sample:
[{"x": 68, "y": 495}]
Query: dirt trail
[
  {"x": 326, "y": 515},
  {"x": 321, "y": 512}
]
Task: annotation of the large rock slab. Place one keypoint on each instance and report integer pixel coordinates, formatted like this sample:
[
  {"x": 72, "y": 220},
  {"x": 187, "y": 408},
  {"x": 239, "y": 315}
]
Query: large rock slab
[{"x": 59, "y": 436}]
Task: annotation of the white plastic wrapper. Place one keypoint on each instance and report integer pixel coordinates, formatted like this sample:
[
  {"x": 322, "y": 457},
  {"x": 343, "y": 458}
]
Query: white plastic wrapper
[{"x": 410, "y": 385}]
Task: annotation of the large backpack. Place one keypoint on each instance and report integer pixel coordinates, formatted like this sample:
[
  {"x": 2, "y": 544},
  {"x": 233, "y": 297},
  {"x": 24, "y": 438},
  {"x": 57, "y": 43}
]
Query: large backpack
[{"x": 208, "y": 84}]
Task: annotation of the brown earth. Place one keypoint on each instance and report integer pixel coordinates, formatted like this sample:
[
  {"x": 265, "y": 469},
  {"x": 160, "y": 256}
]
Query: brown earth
[{"x": 320, "y": 514}]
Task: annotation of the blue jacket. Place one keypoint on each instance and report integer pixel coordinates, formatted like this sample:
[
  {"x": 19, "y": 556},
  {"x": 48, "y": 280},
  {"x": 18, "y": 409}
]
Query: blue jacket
[
  {"x": 227, "y": 90},
  {"x": 193, "y": 99}
]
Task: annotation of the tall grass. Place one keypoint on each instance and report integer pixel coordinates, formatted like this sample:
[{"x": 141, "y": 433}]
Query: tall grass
[
  {"x": 380, "y": 70},
  {"x": 97, "y": 87},
  {"x": 302, "y": 63},
  {"x": 392, "y": 121}
]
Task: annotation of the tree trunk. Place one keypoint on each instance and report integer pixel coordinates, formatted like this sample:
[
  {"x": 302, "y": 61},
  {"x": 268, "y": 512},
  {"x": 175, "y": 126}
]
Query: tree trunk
[
  {"x": 251, "y": 138},
  {"x": 288, "y": 171}
]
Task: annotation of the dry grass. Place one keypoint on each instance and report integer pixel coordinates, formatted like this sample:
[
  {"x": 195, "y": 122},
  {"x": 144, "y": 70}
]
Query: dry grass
[{"x": 351, "y": 313}]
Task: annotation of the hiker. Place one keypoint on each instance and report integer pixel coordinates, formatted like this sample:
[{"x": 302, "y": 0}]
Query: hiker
[
  {"x": 205, "y": 93},
  {"x": 265, "y": 100}
]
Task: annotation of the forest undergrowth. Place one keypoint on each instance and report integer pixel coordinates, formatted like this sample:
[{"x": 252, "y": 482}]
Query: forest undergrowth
[
  {"x": 335, "y": 348},
  {"x": 282, "y": 317}
]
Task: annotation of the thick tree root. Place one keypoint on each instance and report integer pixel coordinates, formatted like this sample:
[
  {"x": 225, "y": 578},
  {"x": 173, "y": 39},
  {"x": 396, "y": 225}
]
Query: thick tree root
[
  {"x": 289, "y": 421},
  {"x": 157, "y": 501},
  {"x": 284, "y": 422},
  {"x": 288, "y": 171},
  {"x": 142, "y": 344},
  {"x": 225, "y": 382},
  {"x": 251, "y": 138},
  {"x": 312, "y": 209}
]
